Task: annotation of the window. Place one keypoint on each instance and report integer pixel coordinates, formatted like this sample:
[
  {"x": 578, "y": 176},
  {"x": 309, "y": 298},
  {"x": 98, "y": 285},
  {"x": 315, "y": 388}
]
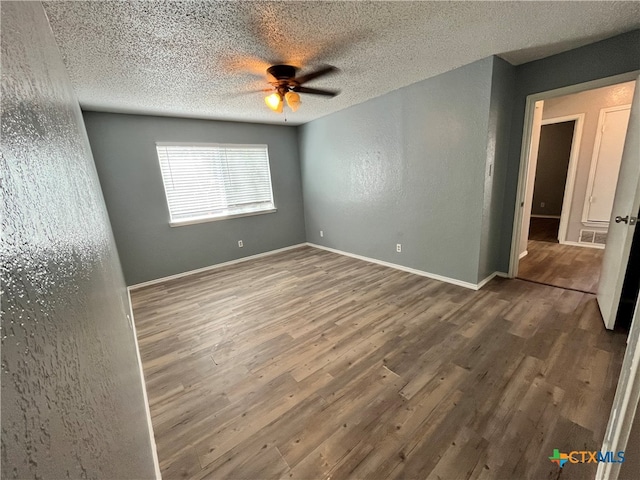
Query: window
[{"x": 205, "y": 182}]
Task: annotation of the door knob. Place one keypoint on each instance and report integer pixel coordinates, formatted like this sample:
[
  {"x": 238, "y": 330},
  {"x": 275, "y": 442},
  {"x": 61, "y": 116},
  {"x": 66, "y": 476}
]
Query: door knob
[{"x": 627, "y": 219}]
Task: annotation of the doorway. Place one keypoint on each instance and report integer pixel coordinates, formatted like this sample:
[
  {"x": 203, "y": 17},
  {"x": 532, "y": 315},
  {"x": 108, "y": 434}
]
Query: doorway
[
  {"x": 573, "y": 163},
  {"x": 626, "y": 206},
  {"x": 558, "y": 151}
]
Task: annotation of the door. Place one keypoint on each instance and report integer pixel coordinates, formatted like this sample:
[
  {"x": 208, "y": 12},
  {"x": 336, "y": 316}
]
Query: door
[
  {"x": 605, "y": 165},
  {"x": 530, "y": 179},
  {"x": 625, "y": 403},
  {"x": 621, "y": 224}
]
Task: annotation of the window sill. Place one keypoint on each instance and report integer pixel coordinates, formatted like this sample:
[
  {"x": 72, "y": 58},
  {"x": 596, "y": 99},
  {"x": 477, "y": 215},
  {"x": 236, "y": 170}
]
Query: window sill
[{"x": 183, "y": 223}]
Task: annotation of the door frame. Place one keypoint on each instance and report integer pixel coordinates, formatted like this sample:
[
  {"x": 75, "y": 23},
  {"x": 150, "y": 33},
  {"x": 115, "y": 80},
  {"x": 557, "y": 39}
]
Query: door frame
[
  {"x": 572, "y": 168},
  {"x": 594, "y": 163},
  {"x": 526, "y": 143}
]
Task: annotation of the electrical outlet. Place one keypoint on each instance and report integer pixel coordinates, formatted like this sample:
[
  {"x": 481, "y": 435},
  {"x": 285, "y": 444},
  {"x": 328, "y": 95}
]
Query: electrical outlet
[
  {"x": 321, "y": 233},
  {"x": 541, "y": 204},
  {"x": 240, "y": 244},
  {"x": 399, "y": 247}
]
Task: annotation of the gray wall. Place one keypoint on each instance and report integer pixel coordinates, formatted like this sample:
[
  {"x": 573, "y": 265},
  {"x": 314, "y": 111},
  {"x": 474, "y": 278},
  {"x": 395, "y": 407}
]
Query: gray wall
[
  {"x": 497, "y": 145},
  {"x": 406, "y": 167},
  {"x": 551, "y": 168},
  {"x": 72, "y": 398},
  {"x": 614, "y": 56},
  {"x": 125, "y": 155}
]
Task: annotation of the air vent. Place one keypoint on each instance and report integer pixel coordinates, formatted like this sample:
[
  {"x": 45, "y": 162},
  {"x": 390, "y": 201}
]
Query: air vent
[
  {"x": 600, "y": 238},
  {"x": 591, "y": 236}
]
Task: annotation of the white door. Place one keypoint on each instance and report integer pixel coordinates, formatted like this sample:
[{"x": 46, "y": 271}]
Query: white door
[
  {"x": 621, "y": 224},
  {"x": 625, "y": 403},
  {"x": 605, "y": 164},
  {"x": 531, "y": 177}
]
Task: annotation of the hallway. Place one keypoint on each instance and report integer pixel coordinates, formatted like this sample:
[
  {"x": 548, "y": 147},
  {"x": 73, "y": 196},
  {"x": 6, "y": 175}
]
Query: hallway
[{"x": 565, "y": 266}]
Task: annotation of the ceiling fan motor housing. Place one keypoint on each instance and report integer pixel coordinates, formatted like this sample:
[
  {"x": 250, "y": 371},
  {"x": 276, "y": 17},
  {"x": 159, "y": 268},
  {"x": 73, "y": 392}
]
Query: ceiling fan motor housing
[
  {"x": 285, "y": 80},
  {"x": 282, "y": 72},
  {"x": 284, "y": 75}
]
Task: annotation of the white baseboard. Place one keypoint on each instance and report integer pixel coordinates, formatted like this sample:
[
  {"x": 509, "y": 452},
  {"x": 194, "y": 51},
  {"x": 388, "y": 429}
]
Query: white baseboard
[
  {"x": 482, "y": 283},
  {"x": 545, "y": 216},
  {"x": 523, "y": 254},
  {"x": 434, "y": 276},
  {"x": 587, "y": 245},
  {"x": 213, "y": 267},
  {"x": 152, "y": 437}
]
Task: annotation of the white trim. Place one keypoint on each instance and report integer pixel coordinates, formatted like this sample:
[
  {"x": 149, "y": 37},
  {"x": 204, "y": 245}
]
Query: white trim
[
  {"x": 434, "y": 276},
  {"x": 580, "y": 244},
  {"x": 595, "y": 156},
  {"x": 572, "y": 168},
  {"x": 604, "y": 225},
  {"x": 213, "y": 267},
  {"x": 482, "y": 283},
  {"x": 526, "y": 141},
  {"x": 183, "y": 223},
  {"x": 545, "y": 216},
  {"x": 152, "y": 438},
  {"x": 521, "y": 189},
  {"x": 209, "y": 144},
  {"x": 533, "y": 150},
  {"x": 523, "y": 254},
  {"x": 564, "y": 118}
]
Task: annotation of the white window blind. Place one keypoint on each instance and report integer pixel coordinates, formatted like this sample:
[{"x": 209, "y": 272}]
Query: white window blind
[{"x": 209, "y": 181}]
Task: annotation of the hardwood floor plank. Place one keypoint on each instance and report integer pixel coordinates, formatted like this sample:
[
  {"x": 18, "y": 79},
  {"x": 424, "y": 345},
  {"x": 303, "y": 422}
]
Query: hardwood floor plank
[
  {"x": 544, "y": 229},
  {"x": 461, "y": 459},
  {"x": 344, "y": 404},
  {"x": 565, "y": 266},
  {"x": 507, "y": 404},
  {"x": 307, "y": 364}
]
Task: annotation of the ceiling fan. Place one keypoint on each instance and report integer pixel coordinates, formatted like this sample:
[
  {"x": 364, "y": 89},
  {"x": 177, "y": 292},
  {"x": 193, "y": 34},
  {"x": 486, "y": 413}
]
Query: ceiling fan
[{"x": 288, "y": 87}]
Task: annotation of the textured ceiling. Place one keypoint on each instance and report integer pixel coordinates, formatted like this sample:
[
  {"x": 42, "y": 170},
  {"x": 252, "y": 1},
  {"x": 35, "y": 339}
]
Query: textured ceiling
[{"x": 195, "y": 58}]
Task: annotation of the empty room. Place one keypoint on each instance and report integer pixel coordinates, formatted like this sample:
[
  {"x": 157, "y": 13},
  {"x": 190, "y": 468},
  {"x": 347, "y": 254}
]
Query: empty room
[{"x": 320, "y": 240}]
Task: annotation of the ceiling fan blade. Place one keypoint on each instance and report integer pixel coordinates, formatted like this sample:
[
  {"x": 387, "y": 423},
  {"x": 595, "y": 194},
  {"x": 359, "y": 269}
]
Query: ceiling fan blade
[
  {"x": 316, "y": 91},
  {"x": 249, "y": 92},
  {"x": 318, "y": 73}
]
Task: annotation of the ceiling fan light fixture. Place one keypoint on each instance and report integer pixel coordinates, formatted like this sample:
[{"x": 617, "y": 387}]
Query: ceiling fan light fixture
[
  {"x": 274, "y": 102},
  {"x": 293, "y": 100},
  {"x": 288, "y": 87}
]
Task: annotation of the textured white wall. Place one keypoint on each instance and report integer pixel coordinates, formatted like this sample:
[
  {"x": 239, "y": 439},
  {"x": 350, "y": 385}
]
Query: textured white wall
[{"x": 72, "y": 397}]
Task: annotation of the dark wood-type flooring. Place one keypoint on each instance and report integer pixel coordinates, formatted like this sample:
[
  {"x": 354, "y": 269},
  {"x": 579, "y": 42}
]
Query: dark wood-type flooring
[
  {"x": 565, "y": 266},
  {"x": 311, "y": 365},
  {"x": 544, "y": 229}
]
